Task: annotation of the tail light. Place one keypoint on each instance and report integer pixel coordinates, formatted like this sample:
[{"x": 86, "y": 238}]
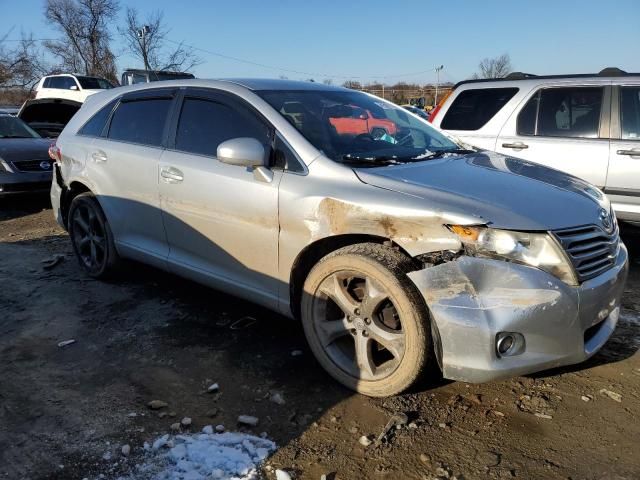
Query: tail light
[
  {"x": 54, "y": 153},
  {"x": 435, "y": 111}
]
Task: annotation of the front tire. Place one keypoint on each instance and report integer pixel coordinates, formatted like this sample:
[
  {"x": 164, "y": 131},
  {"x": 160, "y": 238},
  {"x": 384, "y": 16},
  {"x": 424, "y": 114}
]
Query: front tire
[
  {"x": 365, "y": 321},
  {"x": 91, "y": 237}
]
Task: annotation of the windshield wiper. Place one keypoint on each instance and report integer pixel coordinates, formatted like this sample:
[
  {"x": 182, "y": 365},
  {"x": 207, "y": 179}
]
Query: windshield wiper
[
  {"x": 14, "y": 136},
  {"x": 441, "y": 153},
  {"x": 387, "y": 159}
]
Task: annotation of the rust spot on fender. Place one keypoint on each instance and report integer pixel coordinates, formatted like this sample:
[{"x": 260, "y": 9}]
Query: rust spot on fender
[{"x": 416, "y": 231}]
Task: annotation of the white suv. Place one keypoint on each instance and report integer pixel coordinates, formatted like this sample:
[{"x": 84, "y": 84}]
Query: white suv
[
  {"x": 70, "y": 86},
  {"x": 587, "y": 125}
]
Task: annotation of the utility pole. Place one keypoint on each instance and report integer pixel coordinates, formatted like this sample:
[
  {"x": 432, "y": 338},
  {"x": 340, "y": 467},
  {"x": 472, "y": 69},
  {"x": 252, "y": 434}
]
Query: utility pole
[
  {"x": 437, "y": 69},
  {"x": 142, "y": 35}
]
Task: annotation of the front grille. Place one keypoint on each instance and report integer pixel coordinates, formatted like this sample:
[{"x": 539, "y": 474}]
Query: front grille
[
  {"x": 590, "y": 248},
  {"x": 33, "y": 165}
]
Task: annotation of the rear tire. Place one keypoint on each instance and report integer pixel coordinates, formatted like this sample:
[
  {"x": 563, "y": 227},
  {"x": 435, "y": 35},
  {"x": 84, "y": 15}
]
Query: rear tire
[
  {"x": 365, "y": 321},
  {"x": 91, "y": 237}
]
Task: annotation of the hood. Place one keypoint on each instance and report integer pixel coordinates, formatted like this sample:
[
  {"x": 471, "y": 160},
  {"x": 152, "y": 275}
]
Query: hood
[
  {"x": 16, "y": 149},
  {"x": 498, "y": 190}
]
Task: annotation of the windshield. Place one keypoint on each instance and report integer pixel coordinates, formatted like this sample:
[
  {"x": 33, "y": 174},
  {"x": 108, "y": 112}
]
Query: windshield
[
  {"x": 351, "y": 126},
  {"x": 94, "y": 83},
  {"x": 13, "y": 127}
]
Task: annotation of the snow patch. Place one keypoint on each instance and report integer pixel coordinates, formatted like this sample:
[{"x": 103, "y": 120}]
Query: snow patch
[{"x": 228, "y": 456}]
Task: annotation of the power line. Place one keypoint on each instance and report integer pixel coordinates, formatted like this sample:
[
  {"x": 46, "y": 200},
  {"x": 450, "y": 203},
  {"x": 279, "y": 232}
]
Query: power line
[
  {"x": 263, "y": 65},
  {"x": 298, "y": 72}
]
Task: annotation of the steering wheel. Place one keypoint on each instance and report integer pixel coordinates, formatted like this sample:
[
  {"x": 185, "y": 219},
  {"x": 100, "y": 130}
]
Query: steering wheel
[
  {"x": 407, "y": 138},
  {"x": 365, "y": 136}
]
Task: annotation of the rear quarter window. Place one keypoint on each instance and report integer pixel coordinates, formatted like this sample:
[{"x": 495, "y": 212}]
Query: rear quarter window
[
  {"x": 473, "y": 108},
  {"x": 95, "y": 126}
]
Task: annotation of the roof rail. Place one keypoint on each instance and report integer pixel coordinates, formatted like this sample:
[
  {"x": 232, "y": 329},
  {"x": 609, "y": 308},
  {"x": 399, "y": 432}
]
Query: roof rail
[
  {"x": 605, "y": 72},
  {"x": 612, "y": 72},
  {"x": 519, "y": 75}
]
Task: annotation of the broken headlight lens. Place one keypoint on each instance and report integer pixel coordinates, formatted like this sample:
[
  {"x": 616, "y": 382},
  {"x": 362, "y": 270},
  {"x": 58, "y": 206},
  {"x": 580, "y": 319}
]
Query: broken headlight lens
[{"x": 538, "y": 250}]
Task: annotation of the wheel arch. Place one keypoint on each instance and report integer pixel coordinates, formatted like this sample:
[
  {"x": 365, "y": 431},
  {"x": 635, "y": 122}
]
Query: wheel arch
[
  {"x": 74, "y": 189},
  {"x": 318, "y": 249}
]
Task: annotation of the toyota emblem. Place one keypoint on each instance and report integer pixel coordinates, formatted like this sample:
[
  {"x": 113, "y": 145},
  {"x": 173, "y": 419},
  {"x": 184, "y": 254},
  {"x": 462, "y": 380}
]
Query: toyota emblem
[
  {"x": 605, "y": 219},
  {"x": 45, "y": 165}
]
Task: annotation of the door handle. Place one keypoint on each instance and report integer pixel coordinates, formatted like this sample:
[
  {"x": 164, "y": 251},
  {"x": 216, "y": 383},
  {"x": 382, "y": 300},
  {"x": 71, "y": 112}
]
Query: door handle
[
  {"x": 99, "y": 157},
  {"x": 634, "y": 152},
  {"x": 171, "y": 175},
  {"x": 515, "y": 146}
]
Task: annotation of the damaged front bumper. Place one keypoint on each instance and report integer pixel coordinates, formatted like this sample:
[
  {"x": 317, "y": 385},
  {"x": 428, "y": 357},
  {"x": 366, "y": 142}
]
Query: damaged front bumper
[{"x": 472, "y": 300}]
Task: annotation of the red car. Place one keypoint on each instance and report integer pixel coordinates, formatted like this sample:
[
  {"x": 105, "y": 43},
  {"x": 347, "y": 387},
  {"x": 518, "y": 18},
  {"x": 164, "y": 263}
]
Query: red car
[{"x": 356, "y": 121}]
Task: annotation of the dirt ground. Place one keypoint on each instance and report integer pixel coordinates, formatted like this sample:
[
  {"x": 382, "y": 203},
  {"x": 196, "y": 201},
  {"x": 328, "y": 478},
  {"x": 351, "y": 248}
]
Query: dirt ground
[{"x": 154, "y": 336}]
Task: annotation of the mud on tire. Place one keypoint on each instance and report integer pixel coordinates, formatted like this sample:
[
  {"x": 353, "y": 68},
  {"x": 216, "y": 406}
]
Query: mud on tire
[{"x": 365, "y": 321}]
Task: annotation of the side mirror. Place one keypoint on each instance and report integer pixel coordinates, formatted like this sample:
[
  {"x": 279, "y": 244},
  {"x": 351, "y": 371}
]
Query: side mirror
[
  {"x": 73, "y": 87},
  {"x": 243, "y": 151}
]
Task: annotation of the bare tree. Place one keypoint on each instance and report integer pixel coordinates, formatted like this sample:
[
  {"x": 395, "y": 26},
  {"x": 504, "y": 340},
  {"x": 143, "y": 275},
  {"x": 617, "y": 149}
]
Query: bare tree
[
  {"x": 147, "y": 40},
  {"x": 352, "y": 84},
  {"x": 498, "y": 67},
  {"x": 84, "y": 46},
  {"x": 327, "y": 81},
  {"x": 21, "y": 64}
]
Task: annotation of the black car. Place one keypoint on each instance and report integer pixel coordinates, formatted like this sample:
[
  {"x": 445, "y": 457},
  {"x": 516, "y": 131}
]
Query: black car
[
  {"x": 417, "y": 111},
  {"x": 25, "y": 165}
]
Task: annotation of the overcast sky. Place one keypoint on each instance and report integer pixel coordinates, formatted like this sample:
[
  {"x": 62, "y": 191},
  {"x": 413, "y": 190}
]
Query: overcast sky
[{"x": 375, "y": 40}]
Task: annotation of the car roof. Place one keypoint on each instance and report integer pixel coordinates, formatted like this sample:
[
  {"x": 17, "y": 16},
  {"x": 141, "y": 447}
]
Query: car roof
[
  {"x": 253, "y": 84},
  {"x": 258, "y": 84}
]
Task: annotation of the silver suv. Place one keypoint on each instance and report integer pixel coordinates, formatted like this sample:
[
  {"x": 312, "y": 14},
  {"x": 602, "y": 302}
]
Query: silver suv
[
  {"x": 586, "y": 125},
  {"x": 401, "y": 252}
]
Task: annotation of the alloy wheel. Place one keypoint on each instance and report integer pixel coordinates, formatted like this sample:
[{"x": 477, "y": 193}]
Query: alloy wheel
[
  {"x": 358, "y": 325},
  {"x": 89, "y": 237}
]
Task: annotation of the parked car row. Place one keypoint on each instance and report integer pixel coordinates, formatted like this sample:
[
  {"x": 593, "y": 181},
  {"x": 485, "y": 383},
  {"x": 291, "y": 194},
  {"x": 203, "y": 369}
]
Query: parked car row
[{"x": 401, "y": 250}]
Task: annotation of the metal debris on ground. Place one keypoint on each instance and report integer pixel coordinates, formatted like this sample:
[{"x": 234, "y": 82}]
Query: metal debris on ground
[
  {"x": 244, "y": 322},
  {"x": 66, "y": 342},
  {"x": 397, "y": 420},
  {"x": 214, "y": 387},
  {"x": 49, "y": 263}
]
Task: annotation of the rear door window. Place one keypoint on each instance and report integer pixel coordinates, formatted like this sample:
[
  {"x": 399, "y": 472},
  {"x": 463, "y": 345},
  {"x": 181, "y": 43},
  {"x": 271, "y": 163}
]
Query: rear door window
[
  {"x": 562, "y": 112},
  {"x": 207, "y": 122},
  {"x": 630, "y": 113},
  {"x": 473, "y": 108},
  {"x": 140, "y": 121}
]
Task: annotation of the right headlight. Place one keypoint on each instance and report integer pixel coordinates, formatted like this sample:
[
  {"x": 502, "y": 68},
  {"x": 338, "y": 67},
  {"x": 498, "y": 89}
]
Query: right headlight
[{"x": 538, "y": 250}]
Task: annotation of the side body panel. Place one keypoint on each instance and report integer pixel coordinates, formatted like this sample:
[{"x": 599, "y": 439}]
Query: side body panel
[
  {"x": 222, "y": 225},
  {"x": 586, "y": 158},
  {"x": 125, "y": 176},
  {"x": 623, "y": 179}
]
